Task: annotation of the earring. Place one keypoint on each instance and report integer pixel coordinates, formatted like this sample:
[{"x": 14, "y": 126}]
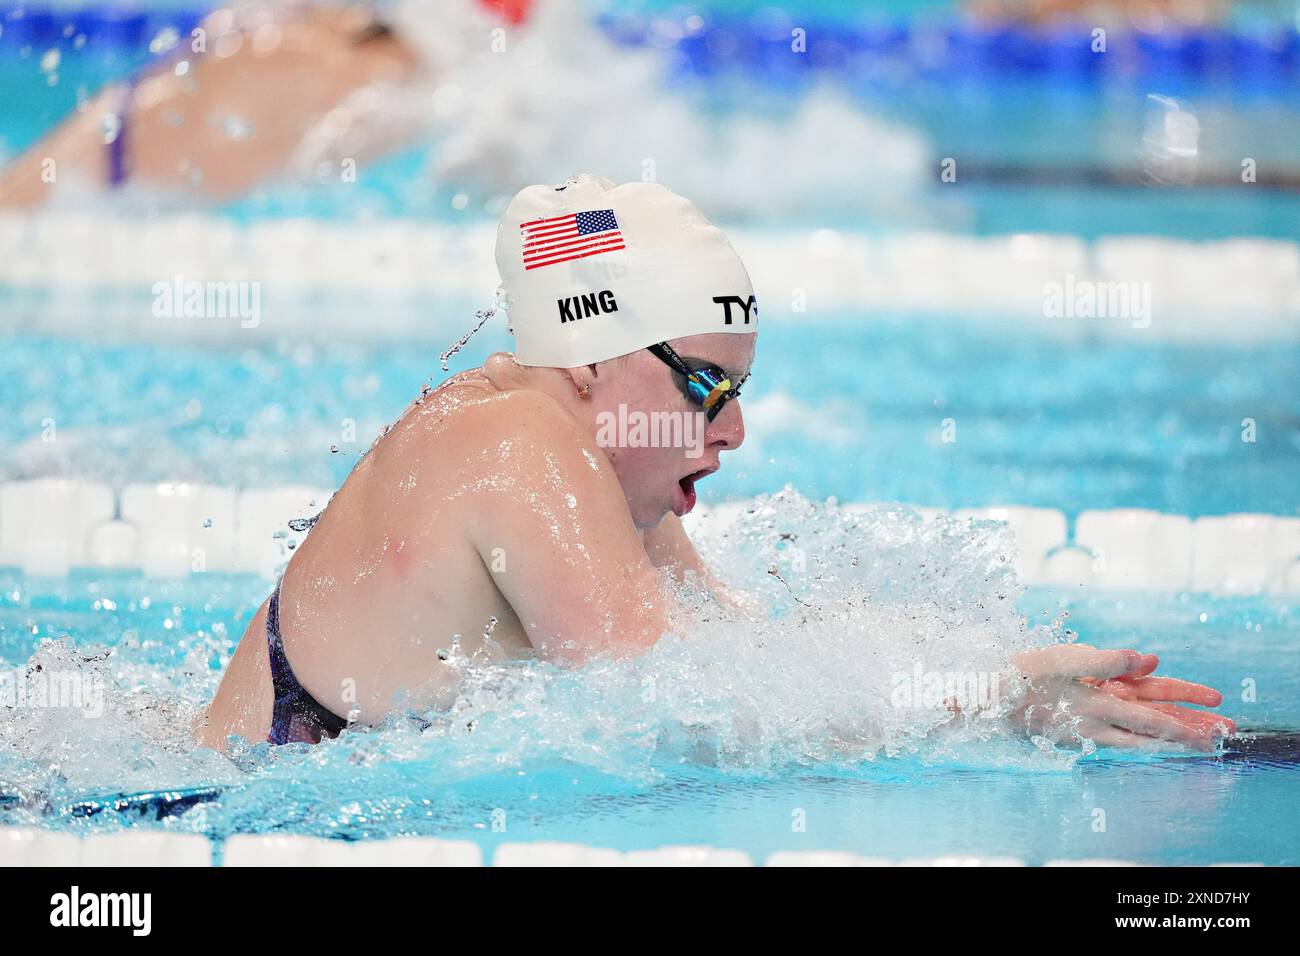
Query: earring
[{"x": 584, "y": 391}]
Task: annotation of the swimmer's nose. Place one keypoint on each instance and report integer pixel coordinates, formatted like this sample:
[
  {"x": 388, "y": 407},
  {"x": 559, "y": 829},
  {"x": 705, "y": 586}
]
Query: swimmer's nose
[{"x": 727, "y": 431}]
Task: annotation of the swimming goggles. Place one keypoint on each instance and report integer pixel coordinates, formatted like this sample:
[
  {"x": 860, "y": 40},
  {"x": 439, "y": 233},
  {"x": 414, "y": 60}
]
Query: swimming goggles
[{"x": 706, "y": 384}]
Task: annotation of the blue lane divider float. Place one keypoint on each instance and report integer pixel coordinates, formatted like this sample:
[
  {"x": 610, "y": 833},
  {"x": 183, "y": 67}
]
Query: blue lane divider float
[
  {"x": 760, "y": 44},
  {"x": 126, "y": 29}
]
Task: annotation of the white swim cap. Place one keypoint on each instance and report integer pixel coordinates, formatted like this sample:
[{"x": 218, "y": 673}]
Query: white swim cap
[{"x": 591, "y": 271}]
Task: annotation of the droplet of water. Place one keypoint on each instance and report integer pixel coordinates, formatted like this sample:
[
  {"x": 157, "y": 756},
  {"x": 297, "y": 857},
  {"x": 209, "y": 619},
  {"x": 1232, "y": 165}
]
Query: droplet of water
[
  {"x": 235, "y": 127},
  {"x": 304, "y": 524},
  {"x": 207, "y": 522},
  {"x": 111, "y": 126},
  {"x": 165, "y": 40},
  {"x": 482, "y": 315}
]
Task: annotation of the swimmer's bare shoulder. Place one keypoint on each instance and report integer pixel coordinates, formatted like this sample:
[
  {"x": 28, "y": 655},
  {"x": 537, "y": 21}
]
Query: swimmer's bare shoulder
[{"x": 547, "y": 516}]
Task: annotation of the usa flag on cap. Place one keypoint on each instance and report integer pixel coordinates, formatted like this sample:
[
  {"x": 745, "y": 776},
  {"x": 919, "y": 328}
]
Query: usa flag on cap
[{"x": 547, "y": 242}]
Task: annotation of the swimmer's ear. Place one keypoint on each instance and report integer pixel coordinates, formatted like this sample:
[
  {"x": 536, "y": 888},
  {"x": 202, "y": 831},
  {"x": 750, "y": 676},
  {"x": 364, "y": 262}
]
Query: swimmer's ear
[
  {"x": 585, "y": 376},
  {"x": 582, "y": 378}
]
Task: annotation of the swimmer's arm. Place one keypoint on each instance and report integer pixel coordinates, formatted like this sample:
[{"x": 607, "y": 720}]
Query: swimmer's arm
[
  {"x": 74, "y": 150},
  {"x": 669, "y": 547},
  {"x": 553, "y": 528}
]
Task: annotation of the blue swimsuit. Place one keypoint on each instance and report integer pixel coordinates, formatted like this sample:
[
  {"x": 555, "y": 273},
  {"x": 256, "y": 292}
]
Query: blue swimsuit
[{"x": 297, "y": 716}]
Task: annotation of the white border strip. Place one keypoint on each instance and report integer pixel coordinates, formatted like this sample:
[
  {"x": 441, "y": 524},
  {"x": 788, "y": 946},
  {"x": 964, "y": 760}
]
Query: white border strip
[
  {"x": 30, "y": 846},
  {"x": 49, "y": 526},
  {"x": 94, "y": 273}
]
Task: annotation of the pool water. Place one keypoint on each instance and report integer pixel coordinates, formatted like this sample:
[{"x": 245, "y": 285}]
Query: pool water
[
  {"x": 892, "y": 133},
  {"x": 775, "y": 734},
  {"x": 593, "y": 781},
  {"x": 1125, "y": 422}
]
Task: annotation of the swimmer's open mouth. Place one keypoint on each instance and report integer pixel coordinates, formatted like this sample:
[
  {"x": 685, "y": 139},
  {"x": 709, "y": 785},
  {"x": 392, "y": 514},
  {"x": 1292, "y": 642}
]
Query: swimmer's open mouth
[
  {"x": 687, "y": 487},
  {"x": 688, "y": 483}
]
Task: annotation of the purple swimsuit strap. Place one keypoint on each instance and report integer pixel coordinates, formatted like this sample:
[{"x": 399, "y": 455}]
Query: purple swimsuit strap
[
  {"x": 296, "y": 716},
  {"x": 117, "y": 146}
]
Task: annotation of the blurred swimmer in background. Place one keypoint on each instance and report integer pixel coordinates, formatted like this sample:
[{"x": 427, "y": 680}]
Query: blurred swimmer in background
[
  {"x": 496, "y": 92},
  {"x": 238, "y": 101},
  {"x": 1147, "y": 14}
]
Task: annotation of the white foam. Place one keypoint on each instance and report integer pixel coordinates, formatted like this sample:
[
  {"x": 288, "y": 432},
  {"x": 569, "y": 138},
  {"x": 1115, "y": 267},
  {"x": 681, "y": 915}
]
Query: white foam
[
  {"x": 861, "y": 600},
  {"x": 512, "y": 106},
  {"x": 859, "y": 597}
]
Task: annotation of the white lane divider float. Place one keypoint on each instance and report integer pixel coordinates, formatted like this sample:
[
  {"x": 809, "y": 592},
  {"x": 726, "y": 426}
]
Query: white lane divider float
[
  {"x": 31, "y": 846},
  {"x": 49, "y": 526},
  {"x": 90, "y": 272}
]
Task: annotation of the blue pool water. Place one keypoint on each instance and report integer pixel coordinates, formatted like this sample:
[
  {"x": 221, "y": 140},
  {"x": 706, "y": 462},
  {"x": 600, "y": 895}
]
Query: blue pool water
[
  {"x": 1036, "y": 126},
  {"x": 744, "y": 733},
  {"x": 1102, "y": 424},
  {"x": 583, "y": 777}
]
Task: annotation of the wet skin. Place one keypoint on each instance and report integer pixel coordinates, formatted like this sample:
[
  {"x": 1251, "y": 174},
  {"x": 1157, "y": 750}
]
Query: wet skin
[
  {"x": 489, "y": 499},
  {"x": 236, "y": 116},
  {"x": 492, "y": 499}
]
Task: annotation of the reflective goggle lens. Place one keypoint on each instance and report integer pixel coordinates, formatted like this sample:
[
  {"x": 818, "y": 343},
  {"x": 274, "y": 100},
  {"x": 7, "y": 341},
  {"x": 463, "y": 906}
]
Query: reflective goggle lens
[{"x": 709, "y": 388}]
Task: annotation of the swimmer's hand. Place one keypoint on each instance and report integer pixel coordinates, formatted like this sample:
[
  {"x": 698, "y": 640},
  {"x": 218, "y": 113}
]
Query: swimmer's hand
[{"x": 1076, "y": 690}]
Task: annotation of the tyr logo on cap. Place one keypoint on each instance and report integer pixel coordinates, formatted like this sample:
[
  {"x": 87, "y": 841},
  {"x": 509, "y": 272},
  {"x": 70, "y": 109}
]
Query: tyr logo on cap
[{"x": 728, "y": 300}]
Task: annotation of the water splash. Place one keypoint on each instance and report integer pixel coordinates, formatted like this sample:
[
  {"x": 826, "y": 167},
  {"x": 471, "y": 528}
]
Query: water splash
[
  {"x": 536, "y": 89},
  {"x": 304, "y": 524},
  {"x": 482, "y": 315},
  {"x": 806, "y": 679}
]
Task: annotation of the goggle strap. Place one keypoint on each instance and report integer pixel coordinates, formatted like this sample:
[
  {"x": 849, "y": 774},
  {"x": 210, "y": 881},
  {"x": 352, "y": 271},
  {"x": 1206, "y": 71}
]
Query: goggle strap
[
  {"x": 718, "y": 394},
  {"x": 672, "y": 358}
]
